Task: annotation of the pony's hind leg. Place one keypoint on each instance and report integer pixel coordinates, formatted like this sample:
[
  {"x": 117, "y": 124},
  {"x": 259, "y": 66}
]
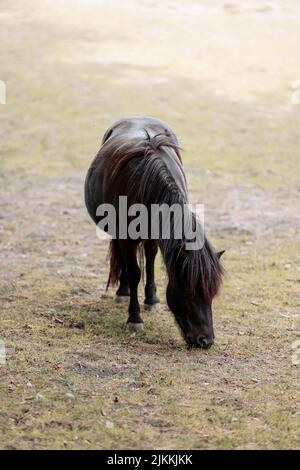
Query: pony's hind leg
[
  {"x": 129, "y": 251},
  {"x": 151, "y": 299},
  {"x": 122, "y": 294}
]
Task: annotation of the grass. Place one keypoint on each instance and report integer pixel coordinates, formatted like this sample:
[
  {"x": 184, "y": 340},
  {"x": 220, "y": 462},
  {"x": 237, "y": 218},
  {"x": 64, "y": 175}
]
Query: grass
[{"x": 75, "y": 377}]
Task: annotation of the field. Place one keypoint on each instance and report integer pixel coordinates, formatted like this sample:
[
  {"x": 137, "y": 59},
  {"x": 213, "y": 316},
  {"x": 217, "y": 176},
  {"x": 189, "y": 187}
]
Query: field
[{"x": 222, "y": 75}]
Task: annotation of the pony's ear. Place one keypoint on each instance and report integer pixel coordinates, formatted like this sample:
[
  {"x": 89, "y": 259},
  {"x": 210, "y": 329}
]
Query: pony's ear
[{"x": 220, "y": 253}]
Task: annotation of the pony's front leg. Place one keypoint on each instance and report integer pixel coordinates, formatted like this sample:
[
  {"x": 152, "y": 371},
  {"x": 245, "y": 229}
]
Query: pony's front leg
[
  {"x": 151, "y": 299},
  {"x": 129, "y": 250}
]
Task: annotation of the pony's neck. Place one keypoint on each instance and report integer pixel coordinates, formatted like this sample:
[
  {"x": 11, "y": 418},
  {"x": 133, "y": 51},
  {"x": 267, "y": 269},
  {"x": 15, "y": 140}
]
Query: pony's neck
[
  {"x": 186, "y": 238},
  {"x": 193, "y": 270}
]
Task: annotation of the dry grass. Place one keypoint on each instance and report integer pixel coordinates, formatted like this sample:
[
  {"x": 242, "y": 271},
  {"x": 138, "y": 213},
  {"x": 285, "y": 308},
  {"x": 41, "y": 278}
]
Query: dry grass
[{"x": 221, "y": 76}]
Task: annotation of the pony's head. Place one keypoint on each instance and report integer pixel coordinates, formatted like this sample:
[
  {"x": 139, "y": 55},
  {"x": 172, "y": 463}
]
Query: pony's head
[{"x": 192, "y": 307}]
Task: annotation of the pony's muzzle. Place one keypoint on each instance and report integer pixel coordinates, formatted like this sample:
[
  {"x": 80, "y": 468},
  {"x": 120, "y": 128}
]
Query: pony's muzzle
[
  {"x": 205, "y": 343},
  {"x": 199, "y": 341}
]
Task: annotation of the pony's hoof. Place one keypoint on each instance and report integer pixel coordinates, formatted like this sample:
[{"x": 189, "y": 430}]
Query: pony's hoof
[
  {"x": 152, "y": 306},
  {"x": 121, "y": 299},
  {"x": 135, "y": 326}
]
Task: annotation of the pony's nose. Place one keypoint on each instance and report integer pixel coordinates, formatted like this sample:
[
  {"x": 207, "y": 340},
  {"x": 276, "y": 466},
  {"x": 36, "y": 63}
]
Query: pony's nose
[
  {"x": 200, "y": 341},
  {"x": 204, "y": 342}
]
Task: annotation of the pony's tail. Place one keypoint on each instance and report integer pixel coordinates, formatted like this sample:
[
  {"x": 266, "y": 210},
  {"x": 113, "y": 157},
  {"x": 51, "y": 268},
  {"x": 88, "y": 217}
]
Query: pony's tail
[{"x": 115, "y": 264}]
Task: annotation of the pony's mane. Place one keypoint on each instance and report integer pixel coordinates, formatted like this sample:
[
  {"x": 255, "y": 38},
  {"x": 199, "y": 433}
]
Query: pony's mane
[{"x": 136, "y": 166}]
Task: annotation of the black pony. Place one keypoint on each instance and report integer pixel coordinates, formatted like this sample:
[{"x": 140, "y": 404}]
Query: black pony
[{"x": 140, "y": 159}]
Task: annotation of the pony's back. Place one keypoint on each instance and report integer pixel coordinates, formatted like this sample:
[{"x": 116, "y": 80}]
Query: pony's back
[{"x": 139, "y": 158}]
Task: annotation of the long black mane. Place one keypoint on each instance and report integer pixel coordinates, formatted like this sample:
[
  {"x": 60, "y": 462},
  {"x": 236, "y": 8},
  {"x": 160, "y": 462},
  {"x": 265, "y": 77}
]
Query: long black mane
[{"x": 137, "y": 168}]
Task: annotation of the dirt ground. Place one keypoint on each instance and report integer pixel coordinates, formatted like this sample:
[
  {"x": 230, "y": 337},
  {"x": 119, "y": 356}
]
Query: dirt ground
[{"x": 222, "y": 74}]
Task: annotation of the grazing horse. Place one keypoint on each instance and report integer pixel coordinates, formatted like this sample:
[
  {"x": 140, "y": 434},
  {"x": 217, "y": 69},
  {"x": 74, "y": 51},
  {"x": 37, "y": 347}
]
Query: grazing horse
[{"x": 140, "y": 159}]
